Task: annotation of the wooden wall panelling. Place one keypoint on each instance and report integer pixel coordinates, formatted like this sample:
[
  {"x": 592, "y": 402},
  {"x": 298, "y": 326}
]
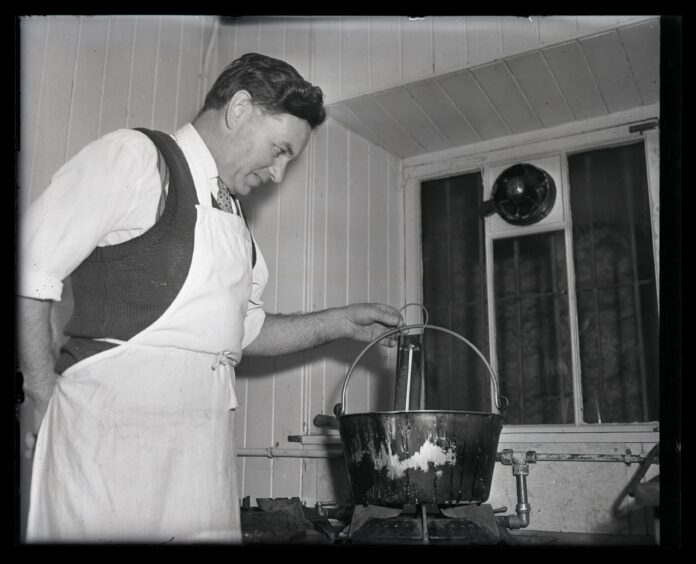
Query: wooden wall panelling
[
  {"x": 118, "y": 74},
  {"x": 272, "y": 37},
  {"x": 588, "y": 24},
  {"x": 449, "y": 43},
  {"x": 247, "y": 40},
  {"x": 327, "y": 57},
  {"x": 231, "y": 42},
  {"x": 417, "y": 56},
  {"x": 298, "y": 46},
  {"x": 355, "y": 55},
  {"x": 168, "y": 73},
  {"x": 33, "y": 49},
  {"x": 144, "y": 72},
  {"x": 555, "y": 28},
  {"x": 87, "y": 95},
  {"x": 385, "y": 53},
  {"x": 519, "y": 33},
  {"x": 483, "y": 38},
  {"x": 54, "y": 104},
  {"x": 190, "y": 88}
]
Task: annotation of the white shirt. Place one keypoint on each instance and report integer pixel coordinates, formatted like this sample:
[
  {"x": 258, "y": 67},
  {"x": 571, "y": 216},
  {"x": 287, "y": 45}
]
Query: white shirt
[{"x": 107, "y": 194}]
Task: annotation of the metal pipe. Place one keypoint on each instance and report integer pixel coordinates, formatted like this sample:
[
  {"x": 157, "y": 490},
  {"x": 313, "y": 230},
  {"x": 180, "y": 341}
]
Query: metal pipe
[
  {"x": 424, "y": 524},
  {"x": 558, "y": 457},
  {"x": 290, "y": 452},
  {"x": 522, "y": 509},
  {"x": 506, "y": 456}
]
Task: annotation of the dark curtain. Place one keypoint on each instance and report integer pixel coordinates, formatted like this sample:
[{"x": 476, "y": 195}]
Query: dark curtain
[{"x": 454, "y": 293}]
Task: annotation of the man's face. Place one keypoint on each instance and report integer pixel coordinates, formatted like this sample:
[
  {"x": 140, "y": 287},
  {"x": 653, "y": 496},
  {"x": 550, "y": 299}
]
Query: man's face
[{"x": 259, "y": 150}]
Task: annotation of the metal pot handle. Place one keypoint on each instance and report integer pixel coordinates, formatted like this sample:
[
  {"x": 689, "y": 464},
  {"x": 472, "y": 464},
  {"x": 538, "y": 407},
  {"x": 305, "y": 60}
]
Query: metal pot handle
[{"x": 501, "y": 402}]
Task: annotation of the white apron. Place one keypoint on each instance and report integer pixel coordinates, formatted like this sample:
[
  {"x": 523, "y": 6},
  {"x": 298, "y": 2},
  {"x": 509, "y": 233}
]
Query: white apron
[{"x": 137, "y": 444}]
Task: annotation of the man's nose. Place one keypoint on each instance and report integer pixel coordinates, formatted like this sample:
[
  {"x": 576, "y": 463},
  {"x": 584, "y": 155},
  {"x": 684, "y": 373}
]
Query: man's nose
[{"x": 277, "y": 171}]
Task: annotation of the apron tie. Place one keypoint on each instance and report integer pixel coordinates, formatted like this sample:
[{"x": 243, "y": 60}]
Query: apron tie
[{"x": 224, "y": 357}]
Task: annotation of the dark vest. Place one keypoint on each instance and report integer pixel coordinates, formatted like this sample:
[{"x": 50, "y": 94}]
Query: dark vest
[{"x": 121, "y": 289}]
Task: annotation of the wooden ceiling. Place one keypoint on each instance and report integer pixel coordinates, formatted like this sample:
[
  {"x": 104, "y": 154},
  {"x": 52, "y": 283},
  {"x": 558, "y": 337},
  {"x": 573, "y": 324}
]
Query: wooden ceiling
[{"x": 571, "y": 81}]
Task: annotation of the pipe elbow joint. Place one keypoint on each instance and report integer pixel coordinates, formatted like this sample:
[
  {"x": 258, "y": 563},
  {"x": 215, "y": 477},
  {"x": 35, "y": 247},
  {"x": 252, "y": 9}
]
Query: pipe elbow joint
[
  {"x": 518, "y": 521},
  {"x": 522, "y": 517}
]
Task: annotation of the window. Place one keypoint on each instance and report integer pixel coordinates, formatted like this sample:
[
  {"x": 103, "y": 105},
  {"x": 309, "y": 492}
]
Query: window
[
  {"x": 615, "y": 285},
  {"x": 614, "y": 298}
]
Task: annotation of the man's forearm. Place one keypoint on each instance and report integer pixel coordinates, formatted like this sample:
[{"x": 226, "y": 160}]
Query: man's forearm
[
  {"x": 285, "y": 334},
  {"x": 35, "y": 350}
]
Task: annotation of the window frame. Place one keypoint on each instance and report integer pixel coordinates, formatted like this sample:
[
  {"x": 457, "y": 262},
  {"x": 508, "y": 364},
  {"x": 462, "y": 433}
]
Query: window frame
[{"x": 595, "y": 133}]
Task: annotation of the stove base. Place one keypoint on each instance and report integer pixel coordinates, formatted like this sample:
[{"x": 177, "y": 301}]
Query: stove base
[{"x": 465, "y": 525}]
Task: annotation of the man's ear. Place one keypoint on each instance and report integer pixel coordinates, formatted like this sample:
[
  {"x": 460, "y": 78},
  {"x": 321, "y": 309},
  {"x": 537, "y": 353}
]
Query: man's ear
[{"x": 239, "y": 107}]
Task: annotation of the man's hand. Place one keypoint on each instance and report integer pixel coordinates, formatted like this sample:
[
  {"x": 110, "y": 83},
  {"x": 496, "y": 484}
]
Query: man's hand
[
  {"x": 366, "y": 322},
  {"x": 37, "y": 402}
]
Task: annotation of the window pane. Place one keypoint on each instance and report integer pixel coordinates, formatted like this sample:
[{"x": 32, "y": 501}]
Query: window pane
[
  {"x": 615, "y": 280},
  {"x": 454, "y": 292},
  {"x": 533, "y": 336}
]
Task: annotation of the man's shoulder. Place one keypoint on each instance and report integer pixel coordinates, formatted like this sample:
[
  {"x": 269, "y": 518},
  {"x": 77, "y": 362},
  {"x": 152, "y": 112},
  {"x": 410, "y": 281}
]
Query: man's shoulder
[
  {"x": 124, "y": 135},
  {"x": 123, "y": 142}
]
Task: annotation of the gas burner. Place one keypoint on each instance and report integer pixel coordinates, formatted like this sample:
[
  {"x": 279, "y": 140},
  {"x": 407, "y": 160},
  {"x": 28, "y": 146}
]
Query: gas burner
[{"x": 464, "y": 525}]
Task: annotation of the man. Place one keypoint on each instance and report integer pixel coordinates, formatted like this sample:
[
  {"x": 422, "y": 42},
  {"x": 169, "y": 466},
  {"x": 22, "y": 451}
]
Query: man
[{"x": 136, "y": 433}]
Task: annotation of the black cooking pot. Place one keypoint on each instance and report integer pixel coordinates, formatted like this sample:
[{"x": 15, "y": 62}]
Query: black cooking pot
[{"x": 398, "y": 458}]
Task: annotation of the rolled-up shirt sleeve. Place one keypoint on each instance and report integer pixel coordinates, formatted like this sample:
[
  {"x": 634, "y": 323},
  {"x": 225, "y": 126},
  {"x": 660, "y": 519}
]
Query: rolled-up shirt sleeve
[
  {"x": 255, "y": 316},
  {"x": 106, "y": 194}
]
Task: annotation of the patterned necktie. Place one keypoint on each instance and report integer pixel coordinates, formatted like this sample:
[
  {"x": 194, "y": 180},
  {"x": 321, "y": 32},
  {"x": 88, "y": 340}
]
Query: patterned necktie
[{"x": 224, "y": 199}]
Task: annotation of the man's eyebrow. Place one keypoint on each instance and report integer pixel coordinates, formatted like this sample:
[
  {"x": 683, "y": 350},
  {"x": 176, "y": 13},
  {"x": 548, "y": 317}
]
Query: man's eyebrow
[{"x": 288, "y": 148}]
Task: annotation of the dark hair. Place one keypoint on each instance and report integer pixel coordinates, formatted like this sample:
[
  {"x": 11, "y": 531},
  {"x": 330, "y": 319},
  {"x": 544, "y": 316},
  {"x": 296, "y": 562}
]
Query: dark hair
[{"x": 274, "y": 85}]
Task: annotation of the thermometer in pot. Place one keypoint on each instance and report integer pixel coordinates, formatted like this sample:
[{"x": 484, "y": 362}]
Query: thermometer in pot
[
  {"x": 408, "y": 378},
  {"x": 410, "y": 369}
]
